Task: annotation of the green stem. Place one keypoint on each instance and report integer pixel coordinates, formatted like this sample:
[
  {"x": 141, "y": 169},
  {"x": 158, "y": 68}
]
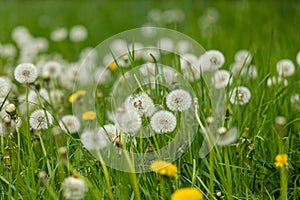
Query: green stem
[
  {"x": 211, "y": 174},
  {"x": 19, "y": 149},
  {"x": 45, "y": 154},
  {"x": 162, "y": 187},
  {"x": 106, "y": 175},
  {"x": 133, "y": 176},
  {"x": 283, "y": 183},
  {"x": 32, "y": 162},
  {"x": 228, "y": 174},
  {"x": 2, "y": 145}
]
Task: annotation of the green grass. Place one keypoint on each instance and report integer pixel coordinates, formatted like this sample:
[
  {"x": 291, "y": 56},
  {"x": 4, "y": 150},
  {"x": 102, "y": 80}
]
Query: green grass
[{"x": 268, "y": 29}]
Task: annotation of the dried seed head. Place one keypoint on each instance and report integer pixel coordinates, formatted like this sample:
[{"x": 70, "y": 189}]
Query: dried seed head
[
  {"x": 11, "y": 109},
  {"x": 7, "y": 157},
  {"x": 219, "y": 195},
  {"x": 43, "y": 177},
  {"x": 63, "y": 152},
  {"x": 251, "y": 147},
  {"x": 210, "y": 120},
  {"x": 7, "y": 120}
]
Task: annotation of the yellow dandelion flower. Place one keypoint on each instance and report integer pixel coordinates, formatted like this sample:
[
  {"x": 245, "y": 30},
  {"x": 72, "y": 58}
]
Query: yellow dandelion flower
[
  {"x": 89, "y": 115},
  {"x": 74, "y": 97},
  {"x": 189, "y": 193},
  {"x": 281, "y": 160},
  {"x": 164, "y": 168},
  {"x": 113, "y": 66}
]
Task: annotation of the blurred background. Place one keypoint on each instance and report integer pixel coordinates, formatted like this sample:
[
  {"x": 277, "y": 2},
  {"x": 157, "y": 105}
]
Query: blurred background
[{"x": 224, "y": 25}]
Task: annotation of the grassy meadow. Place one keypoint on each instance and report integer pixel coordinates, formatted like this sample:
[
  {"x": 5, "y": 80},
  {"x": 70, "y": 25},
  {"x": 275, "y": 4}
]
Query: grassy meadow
[{"x": 260, "y": 161}]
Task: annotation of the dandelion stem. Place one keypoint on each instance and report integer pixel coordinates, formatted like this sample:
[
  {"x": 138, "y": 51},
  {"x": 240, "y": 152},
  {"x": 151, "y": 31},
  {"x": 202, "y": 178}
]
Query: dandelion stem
[
  {"x": 211, "y": 174},
  {"x": 162, "y": 187},
  {"x": 283, "y": 183},
  {"x": 106, "y": 175},
  {"x": 228, "y": 174},
  {"x": 2, "y": 145},
  {"x": 28, "y": 129},
  {"x": 132, "y": 176},
  {"x": 211, "y": 155},
  {"x": 19, "y": 149},
  {"x": 45, "y": 154}
]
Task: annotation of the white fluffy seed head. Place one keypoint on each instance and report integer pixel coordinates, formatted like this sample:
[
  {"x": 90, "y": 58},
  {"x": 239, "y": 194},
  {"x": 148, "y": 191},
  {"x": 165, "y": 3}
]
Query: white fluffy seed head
[
  {"x": 285, "y": 67},
  {"x": 190, "y": 67},
  {"x": 179, "y": 100},
  {"x": 243, "y": 57},
  {"x": 163, "y": 122},
  {"x": 280, "y": 120},
  {"x": 52, "y": 68},
  {"x": 94, "y": 139},
  {"x": 26, "y": 73},
  {"x": 128, "y": 120},
  {"x": 227, "y": 137},
  {"x": 39, "y": 120},
  {"x": 70, "y": 123},
  {"x": 74, "y": 188},
  {"x": 59, "y": 34},
  {"x": 240, "y": 95},
  {"x": 5, "y": 86},
  {"x": 211, "y": 60},
  {"x": 111, "y": 131},
  {"x": 78, "y": 33},
  {"x": 166, "y": 44},
  {"x": 142, "y": 103},
  {"x": 295, "y": 100},
  {"x": 221, "y": 78}
]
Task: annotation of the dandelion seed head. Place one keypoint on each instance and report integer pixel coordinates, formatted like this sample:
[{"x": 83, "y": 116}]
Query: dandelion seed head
[
  {"x": 78, "y": 33},
  {"x": 142, "y": 103},
  {"x": 179, "y": 100},
  {"x": 26, "y": 73},
  {"x": 44, "y": 94},
  {"x": 38, "y": 120},
  {"x": 74, "y": 188},
  {"x": 240, "y": 95},
  {"x": 70, "y": 123},
  {"x": 166, "y": 44},
  {"x": 243, "y": 57},
  {"x": 221, "y": 78},
  {"x": 118, "y": 47},
  {"x": 59, "y": 34},
  {"x": 211, "y": 60},
  {"x": 227, "y": 137},
  {"x": 280, "y": 120},
  {"x": 52, "y": 68},
  {"x": 4, "y": 102},
  {"x": 128, "y": 120},
  {"x": 102, "y": 76},
  {"x": 189, "y": 66},
  {"x": 5, "y": 87},
  {"x": 285, "y": 67},
  {"x": 94, "y": 139},
  {"x": 111, "y": 130},
  {"x": 8, "y": 51},
  {"x": 183, "y": 46},
  {"x": 151, "y": 52},
  {"x": 163, "y": 122},
  {"x": 271, "y": 81}
]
